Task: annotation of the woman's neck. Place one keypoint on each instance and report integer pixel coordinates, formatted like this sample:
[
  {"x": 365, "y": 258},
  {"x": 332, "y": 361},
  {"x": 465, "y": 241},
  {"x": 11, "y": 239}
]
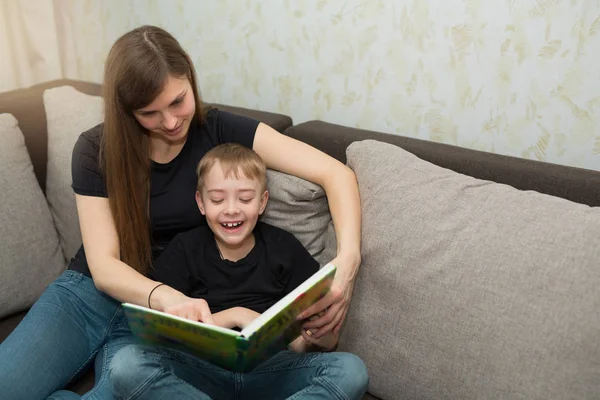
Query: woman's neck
[{"x": 164, "y": 152}]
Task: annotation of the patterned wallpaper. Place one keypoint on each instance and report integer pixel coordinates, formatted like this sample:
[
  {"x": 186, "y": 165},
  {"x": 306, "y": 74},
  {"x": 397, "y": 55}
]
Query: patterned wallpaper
[{"x": 517, "y": 77}]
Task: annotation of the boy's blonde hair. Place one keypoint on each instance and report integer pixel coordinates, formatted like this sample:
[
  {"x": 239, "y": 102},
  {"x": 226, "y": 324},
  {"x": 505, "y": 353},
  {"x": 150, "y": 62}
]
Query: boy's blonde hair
[{"x": 235, "y": 160}]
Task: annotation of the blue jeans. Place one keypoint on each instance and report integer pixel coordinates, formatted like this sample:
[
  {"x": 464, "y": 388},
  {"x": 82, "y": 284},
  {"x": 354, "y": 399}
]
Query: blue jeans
[
  {"x": 142, "y": 372},
  {"x": 71, "y": 325}
]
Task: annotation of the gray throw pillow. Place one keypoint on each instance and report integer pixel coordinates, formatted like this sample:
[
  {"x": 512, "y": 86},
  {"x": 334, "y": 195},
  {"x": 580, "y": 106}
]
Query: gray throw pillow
[
  {"x": 300, "y": 207},
  {"x": 471, "y": 289},
  {"x": 31, "y": 256}
]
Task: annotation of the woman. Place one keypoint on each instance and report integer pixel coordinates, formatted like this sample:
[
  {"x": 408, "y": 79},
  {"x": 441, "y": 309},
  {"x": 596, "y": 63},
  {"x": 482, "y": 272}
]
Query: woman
[{"x": 134, "y": 182}]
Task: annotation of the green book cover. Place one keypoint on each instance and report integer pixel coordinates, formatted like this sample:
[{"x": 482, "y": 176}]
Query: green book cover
[{"x": 239, "y": 351}]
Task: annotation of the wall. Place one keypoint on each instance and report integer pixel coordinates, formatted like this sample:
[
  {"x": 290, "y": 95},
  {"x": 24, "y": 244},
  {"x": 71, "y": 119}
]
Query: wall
[{"x": 512, "y": 77}]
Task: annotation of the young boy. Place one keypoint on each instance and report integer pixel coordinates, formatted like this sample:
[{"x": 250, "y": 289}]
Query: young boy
[{"x": 239, "y": 265}]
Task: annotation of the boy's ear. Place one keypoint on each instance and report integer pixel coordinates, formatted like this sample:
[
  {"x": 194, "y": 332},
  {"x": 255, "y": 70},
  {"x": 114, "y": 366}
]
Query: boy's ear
[
  {"x": 200, "y": 202},
  {"x": 263, "y": 202}
]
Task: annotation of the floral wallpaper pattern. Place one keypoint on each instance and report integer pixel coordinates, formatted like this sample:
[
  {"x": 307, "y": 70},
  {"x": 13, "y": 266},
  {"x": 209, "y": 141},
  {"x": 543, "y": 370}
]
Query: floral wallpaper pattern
[{"x": 516, "y": 77}]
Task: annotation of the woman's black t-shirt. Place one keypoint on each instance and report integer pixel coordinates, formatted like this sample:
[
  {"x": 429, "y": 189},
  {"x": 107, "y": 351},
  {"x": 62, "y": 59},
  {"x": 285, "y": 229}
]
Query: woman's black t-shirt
[{"x": 173, "y": 206}]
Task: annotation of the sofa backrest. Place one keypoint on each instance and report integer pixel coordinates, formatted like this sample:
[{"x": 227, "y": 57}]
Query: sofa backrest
[{"x": 575, "y": 184}]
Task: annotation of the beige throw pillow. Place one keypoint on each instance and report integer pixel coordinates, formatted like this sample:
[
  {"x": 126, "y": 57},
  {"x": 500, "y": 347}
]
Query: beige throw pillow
[
  {"x": 471, "y": 289},
  {"x": 69, "y": 113}
]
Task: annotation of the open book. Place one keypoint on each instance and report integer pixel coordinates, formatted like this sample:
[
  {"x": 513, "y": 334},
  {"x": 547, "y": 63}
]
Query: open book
[{"x": 239, "y": 351}]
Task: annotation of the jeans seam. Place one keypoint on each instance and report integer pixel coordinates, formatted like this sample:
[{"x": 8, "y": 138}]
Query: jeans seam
[
  {"x": 95, "y": 353},
  {"x": 103, "y": 373},
  {"x": 144, "y": 385},
  {"x": 327, "y": 384},
  {"x": 162, "y": 369},
  {"x": 239, "y": 385},
  {"x": 332, "y": 387},
  {"x": 294, "y": 366},
  {"x": 173, "y": 355}
]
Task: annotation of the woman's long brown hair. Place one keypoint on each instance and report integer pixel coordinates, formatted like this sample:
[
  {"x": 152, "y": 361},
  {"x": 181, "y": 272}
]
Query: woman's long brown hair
[{"x": 135, "y": 73}]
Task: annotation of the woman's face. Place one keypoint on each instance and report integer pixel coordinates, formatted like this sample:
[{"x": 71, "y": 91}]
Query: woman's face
[{"x": 169, "y": 116}]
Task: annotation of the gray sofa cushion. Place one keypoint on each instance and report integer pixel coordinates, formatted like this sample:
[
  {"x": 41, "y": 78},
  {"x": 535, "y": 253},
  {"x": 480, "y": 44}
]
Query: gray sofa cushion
[
  {"x": 31, "y": 256},
  {"x": 471, "y": 289}
]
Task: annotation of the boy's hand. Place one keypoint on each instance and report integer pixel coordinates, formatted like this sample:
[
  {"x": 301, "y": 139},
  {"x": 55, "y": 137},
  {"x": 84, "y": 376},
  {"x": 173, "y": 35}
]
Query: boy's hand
[
  {"x": 239, "y": 317},
  {"x": 307, "y": 343},
  {"x": 244, "y": 316},
  {"x": 325, "y": 343}
]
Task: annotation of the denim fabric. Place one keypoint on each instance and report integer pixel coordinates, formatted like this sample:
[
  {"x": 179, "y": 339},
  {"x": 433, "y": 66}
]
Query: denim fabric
[
  {"x": 58, "y": 340},
  {"x": 141, "y": 372}
]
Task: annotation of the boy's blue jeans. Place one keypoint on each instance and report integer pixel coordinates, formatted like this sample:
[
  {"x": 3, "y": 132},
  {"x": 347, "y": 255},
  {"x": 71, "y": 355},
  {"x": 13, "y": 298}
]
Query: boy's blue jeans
[
  {"x": 141, "y": 372},
  {"x": 71, "y": 325}
]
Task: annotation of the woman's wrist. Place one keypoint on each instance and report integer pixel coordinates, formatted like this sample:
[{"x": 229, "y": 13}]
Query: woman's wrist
[
  {"x": 349, "y": 262},
  {"x": 164, "y": 296}
]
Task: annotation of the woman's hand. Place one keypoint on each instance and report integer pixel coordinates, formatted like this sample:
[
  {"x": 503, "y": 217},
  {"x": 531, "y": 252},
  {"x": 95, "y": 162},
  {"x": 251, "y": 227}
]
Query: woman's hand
[
  {"x": 333, "y": 307},
  {"x": 165, "y": 298},
  {"x": 194, "y": 309}
]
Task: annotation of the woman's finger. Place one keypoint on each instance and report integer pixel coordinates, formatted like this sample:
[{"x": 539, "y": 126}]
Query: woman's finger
[
  {"x": 325, "y": 319},
  {"x": 183, "y": 313},
  {"x": 337, "y": 328},
  {"x": 329, "y": 327},
  {"x": 205, "y": 314},
  {"x": 316, "y": 308}
]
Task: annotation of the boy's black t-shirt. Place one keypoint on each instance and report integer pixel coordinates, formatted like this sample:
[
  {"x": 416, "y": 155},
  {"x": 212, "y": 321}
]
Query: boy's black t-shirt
[
  {"x": 173, "y": 207},
  {"x": 276, "y": 265}
]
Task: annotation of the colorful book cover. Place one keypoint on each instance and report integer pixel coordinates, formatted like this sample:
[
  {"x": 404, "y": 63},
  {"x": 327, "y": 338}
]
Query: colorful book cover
[{"x": 237, "y": 351}]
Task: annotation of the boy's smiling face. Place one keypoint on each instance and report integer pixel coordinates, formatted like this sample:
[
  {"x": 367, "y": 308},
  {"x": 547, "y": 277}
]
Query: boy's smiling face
[{"x": 232, "y": 207}]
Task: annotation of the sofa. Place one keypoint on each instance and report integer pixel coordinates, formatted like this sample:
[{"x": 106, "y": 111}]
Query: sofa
[{"x": 480, "y": 272}]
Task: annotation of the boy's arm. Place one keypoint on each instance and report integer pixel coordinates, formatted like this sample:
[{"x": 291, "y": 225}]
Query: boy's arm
[
  {"x": 325, "y": 343},
  {"x": 235, "y": 317}
]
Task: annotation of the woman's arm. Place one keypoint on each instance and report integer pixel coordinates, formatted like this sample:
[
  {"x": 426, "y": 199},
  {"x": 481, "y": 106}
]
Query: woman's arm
[
  {"x": 294, "y": 157},
  {"x": 116, "y": 278}
]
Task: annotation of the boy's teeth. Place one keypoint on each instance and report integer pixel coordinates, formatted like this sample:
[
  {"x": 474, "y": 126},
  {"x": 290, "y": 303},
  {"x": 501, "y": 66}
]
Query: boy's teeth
[{"x": 231, "y": 225}]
